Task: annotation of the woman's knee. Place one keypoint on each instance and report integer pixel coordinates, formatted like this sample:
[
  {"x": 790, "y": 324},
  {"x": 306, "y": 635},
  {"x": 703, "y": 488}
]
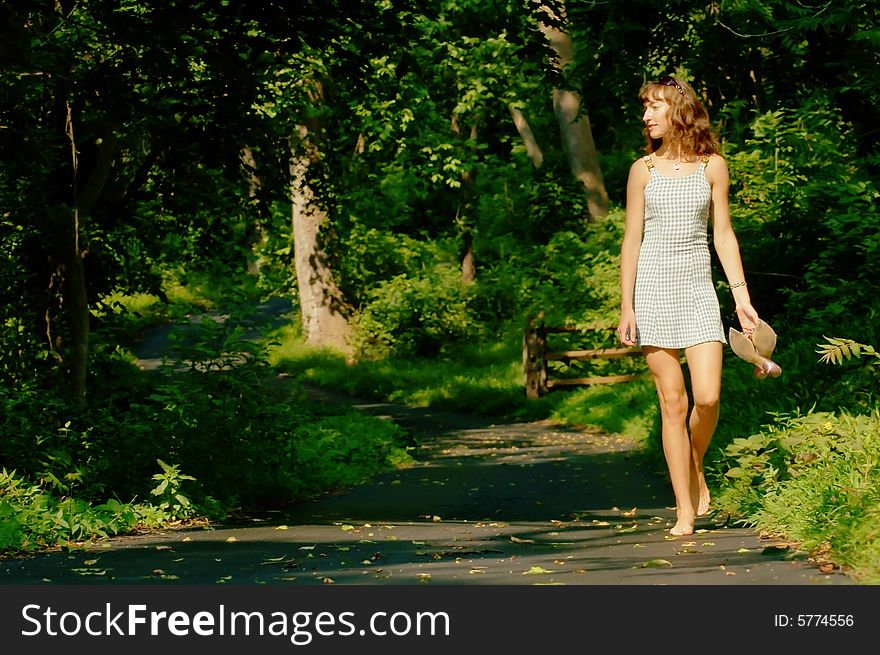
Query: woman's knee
[
  {"x": 706, "y": 400},
  {"x": 674, "y": 404}
]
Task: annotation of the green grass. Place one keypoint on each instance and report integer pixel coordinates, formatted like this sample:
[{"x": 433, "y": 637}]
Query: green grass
[
  {"x": 122, "y": 315},
  {"x": 484, "y": 378}
]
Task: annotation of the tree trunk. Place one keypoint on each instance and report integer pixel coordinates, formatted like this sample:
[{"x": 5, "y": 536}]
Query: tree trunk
[
  {"x": 256, "y": 238},
  {"x": 577, "y": 135},
  {"x": 321, "y": 305},
  {"x": 74, "y": 292},
  {"x": 465, "y": 215},
  {"x": 533, "y": 150}
]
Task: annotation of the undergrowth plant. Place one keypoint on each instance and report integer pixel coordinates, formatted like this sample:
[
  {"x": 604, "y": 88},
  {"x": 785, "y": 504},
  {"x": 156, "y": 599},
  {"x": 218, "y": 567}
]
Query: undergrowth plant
[{"x": 813, "y": 477}]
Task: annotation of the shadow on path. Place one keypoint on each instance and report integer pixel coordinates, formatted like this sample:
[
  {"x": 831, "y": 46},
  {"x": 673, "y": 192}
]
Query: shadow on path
[{"x": 529, "y": 503}]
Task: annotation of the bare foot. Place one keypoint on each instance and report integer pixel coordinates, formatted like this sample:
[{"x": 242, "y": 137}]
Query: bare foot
[
  {"x": 703, "y": 504},
  {"x": 682, "y": 529},
  {"x": 684, "y": 524},
  {"x": 699, "y": 491}
]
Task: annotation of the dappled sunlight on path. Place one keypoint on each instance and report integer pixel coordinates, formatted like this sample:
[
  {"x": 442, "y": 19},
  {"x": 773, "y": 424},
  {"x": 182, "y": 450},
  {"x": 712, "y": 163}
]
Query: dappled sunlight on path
[{"x": 512, "y": 504}]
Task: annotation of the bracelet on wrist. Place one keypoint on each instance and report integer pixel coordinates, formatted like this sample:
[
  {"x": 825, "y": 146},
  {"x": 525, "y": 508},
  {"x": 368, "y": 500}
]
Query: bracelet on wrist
[{"x": 736, "y": 285}]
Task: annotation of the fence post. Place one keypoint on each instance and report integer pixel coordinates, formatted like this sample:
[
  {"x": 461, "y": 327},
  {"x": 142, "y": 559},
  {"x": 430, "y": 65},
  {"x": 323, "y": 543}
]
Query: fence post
[{"x": 534, "y": 364}]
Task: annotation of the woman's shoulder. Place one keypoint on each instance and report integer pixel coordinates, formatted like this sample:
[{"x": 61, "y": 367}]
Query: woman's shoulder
[
  {"x": 640, "y": 170},
  {"x": 715, "y": 160},
  {"x": 716, "y": 168}
]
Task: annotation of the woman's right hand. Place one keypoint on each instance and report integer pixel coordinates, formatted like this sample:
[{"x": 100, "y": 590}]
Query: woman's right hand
[{"x": 626, "y": 329}]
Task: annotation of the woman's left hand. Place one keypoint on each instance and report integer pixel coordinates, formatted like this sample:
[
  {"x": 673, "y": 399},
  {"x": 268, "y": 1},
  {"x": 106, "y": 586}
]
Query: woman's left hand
[{"x": 748, "y": 318}]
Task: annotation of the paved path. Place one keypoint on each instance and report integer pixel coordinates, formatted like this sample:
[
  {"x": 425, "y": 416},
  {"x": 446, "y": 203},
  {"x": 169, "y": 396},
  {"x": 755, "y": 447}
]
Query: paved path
[
  {"x": 514, "y": 504},
  {"x": 509, "y": 504}
]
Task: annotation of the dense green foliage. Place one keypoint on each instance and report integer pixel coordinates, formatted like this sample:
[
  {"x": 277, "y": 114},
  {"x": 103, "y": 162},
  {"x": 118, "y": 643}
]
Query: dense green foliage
[{"x": 147, "y": 147}]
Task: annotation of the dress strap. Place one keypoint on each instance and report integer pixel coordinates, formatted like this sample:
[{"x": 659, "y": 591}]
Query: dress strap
[
  {"x": 649, "y": 162},
  {"x": 705, "y": 160}
]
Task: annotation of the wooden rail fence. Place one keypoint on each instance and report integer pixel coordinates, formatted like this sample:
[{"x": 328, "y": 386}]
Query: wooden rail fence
[{"x": 536, "y": 355}]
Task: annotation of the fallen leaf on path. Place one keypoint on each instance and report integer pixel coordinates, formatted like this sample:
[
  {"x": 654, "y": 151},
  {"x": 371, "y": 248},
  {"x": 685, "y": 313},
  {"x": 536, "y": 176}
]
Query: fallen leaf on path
[
  {"x": 274, "y": 560},
  {"x": 536, "y": 570},
  {"x": 743, "y": 550},
  {"x": 231, "y": 540},
  {"x": 656, "y": 564},
  {"x": 424, "y": 577},
  {"x": 90, "y": 571},
  {"x": 631, "y": 528},
  {"x": 164, "y": 548},
  {"x": 307, "y": 548},
  {"x": 517, "y": 540},
  {"x": 346, "y": 528},
  {"x": 90, "y": 562},
  {"x": 281, "y": 527},
  {"x": 631, "y": 512},
  {"x": 328, "y": 580},
  {"x": 708, "y": 543}
]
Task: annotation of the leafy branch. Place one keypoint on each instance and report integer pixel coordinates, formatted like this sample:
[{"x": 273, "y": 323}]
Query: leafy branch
[{"x": 837, "y": 350}]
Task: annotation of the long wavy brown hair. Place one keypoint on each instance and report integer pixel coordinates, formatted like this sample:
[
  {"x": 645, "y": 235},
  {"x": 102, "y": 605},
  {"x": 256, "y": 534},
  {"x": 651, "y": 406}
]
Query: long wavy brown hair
[{"x": 689, "y": 127}]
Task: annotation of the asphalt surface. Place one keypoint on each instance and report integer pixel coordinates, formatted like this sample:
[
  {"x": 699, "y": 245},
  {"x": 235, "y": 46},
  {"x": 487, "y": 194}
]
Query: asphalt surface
[
  {"x": 488, "y": 504},
  {"x": 514, "y": 504}
]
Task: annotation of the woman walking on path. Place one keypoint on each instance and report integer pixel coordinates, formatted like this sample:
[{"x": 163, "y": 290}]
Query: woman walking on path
[{"x": 668, "y": 301}]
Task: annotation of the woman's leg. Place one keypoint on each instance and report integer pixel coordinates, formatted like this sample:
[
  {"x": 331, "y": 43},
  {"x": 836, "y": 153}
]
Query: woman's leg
[
  {"x": 669, "y": 380},
  {"x": 704, "y": 363}
]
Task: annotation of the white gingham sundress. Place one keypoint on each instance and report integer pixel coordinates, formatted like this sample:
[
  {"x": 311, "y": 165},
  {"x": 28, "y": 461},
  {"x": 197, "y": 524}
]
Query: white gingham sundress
[{"x": 675, "y": 301}]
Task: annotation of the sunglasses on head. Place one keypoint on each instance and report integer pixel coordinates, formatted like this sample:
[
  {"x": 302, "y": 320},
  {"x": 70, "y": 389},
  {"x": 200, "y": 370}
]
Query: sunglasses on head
[{"x": 668, "y": 80}]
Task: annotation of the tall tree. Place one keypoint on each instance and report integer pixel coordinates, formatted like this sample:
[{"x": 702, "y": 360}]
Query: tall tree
[
  {"x": 574, "y": 122},
  {"x": 322, "y": 307}
]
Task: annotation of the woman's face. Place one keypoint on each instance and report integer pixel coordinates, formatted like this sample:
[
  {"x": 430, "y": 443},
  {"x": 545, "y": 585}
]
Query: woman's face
[{"x": 655, "y": 117}]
